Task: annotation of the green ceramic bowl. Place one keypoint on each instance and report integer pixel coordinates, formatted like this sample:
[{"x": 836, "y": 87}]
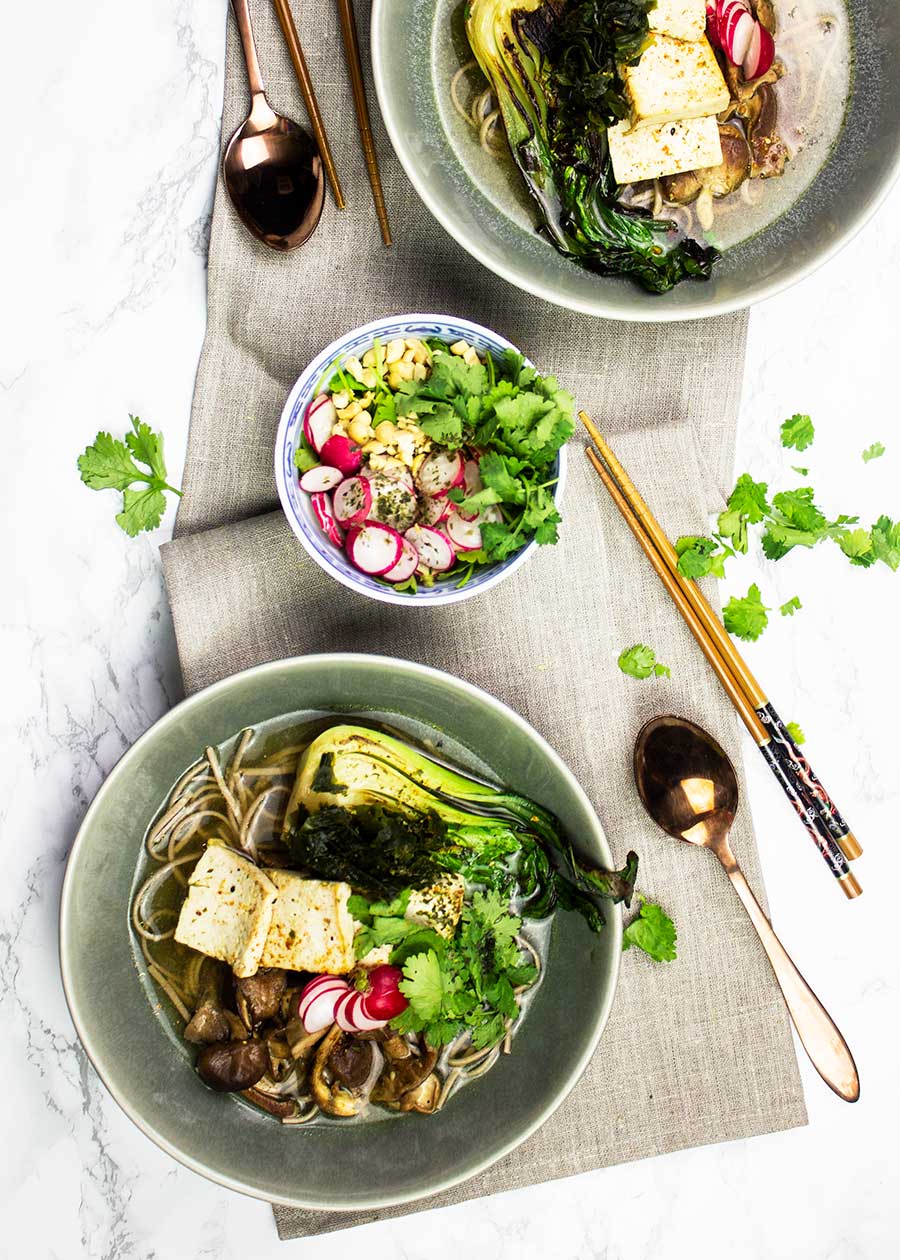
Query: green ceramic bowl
[
  {"x": 149, "y": 1070},
  {"x": 418, "y": 44}
]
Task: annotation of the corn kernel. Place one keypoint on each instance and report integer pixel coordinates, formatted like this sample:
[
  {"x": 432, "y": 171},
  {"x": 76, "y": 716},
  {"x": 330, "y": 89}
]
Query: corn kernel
[
  {"x": 420, "y": 371},
  {"x": 406, "y": 445},
  {"x": 459, "y": 347},
  {"x": 386, "y": 432},
  {"x": 368, "y": 359},
  {"x": 404, "y": 370},
  {"x": 369, "y": 377},
  {"x": 394, "y": 351},
  {"x": 361, "y": 430},
  {"x": 373, "y": 448},
  {"x": 340, "y": 400},
  {"x": 417, "y": 463},
  {"x": 471, "y": 357},
  {"x": 350, "y": 411},
  {"x": 354, "y": 368}
]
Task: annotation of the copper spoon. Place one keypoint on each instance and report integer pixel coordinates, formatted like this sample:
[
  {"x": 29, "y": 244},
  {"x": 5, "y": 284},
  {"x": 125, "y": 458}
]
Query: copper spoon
[
  {"x": 272, "y": 168},
  {"x": 689, "y": 787}
]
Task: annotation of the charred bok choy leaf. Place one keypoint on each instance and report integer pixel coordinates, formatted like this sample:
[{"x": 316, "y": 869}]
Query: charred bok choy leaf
[
  {"x": 371, "y": 810},
  {"x": 554, "y": 71}
]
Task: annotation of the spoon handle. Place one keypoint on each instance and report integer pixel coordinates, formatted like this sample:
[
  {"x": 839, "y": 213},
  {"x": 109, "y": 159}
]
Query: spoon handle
[
  {"x": 822, "y": 1040},
  {"x": 254, "y": 76}
]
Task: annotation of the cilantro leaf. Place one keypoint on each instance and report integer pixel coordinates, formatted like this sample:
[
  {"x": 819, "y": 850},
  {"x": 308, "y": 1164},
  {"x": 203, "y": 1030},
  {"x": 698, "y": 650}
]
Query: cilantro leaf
[
  {"x": 747, "y": 504},
  {"x": 804, "y": 472},
  {"x": 798, "y": 433},
  {"x": 109, "y": 464},
  {"x": 426, "y": 985},
  {"x": 857, "y": 546},
  {"x": 793, "y": 605},
  {"x": 886, "y": 542},
  {"x": 304, "y": 456},
  {"x": 746, "y": 617},
  {"x": 699, "y": 556},
  {"x": 443, "y": 426},
  {"x": 875, "y": 451},
  {"x": 653, "y": 932},
  {"x": 640, "y": 661},
  {"x": 795, "y": 733}
]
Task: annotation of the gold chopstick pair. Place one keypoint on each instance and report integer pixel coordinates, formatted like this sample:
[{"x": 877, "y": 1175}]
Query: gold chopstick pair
[
  {"x": 818, "y": 813},
  {"x": 354, "y": 66}
]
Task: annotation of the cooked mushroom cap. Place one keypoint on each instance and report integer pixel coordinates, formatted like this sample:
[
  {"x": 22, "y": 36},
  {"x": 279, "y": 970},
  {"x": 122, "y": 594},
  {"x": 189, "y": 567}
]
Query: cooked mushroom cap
[
  {"x": 233, "y": 1065},
  {"x": 209, "y": 1022},
  {"x": 424, "y": 1098},
  {"x": 719, "y": 180},
  {"x": 333, "y": 1096},
  {"x": 767, "y": 149},
  {"x": 402, "y": 1075},
  {"x": 259, "y": 995},
  {"x": 351, "y": 1062}
]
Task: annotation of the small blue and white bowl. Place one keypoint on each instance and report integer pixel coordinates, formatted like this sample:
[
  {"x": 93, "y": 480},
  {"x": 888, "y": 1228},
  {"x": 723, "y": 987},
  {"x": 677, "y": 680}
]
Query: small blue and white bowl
[{"x": 297, "y": 504}]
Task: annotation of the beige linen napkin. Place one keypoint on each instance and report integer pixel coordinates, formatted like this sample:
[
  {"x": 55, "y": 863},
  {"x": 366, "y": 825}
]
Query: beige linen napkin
[{"x": 700, "y": 1049}]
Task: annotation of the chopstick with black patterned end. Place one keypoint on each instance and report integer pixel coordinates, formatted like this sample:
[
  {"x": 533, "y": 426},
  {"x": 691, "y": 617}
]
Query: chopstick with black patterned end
[{"x": 819, "y": 821}]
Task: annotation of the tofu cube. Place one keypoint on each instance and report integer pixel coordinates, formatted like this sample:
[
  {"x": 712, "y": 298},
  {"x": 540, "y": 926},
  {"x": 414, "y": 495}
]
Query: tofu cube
[
  {"x": 674, "y": 80},
  {"x": 228, "y": 909},
  {"x": 667, "y": 150},
  {"x": 682, "y": 19},
  {"x": 311, "y": 928}
]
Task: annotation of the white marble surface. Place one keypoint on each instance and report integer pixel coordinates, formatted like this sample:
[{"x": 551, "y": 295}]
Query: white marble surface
[{"x": 104, "y": 314}]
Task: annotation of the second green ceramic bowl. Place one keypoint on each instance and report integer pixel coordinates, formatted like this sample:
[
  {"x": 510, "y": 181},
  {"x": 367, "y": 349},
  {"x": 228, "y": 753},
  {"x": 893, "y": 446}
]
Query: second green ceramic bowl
[{"x": 147, "y": 1067}]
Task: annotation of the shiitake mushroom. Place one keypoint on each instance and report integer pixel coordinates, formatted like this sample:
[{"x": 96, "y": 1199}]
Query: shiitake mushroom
[{"x": 230, "y": 1066}]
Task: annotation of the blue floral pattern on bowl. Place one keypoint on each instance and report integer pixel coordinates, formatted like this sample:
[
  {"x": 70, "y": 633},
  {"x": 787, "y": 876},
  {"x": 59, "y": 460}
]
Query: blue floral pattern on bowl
[{"x": 296, "y": 503}]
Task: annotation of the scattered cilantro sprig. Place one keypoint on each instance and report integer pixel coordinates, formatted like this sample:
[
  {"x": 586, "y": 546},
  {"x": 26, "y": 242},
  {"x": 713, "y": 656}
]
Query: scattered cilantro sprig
[
  {"x": 652, "y": 931},
  {"x": 875, "y": 451},
  {"x": 109, "y": 464},
  {"x": 790, "y": 606},
  {"x": 795, "y": 732},
  {"x": 798, "y": 433},
  {"x": 746, "y": 616},
  {"x": 639, "y": 661}
]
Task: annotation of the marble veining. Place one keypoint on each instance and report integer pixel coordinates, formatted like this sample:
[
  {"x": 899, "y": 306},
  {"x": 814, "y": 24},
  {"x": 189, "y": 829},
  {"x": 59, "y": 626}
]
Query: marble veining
[{"x": 104, "y": 315}]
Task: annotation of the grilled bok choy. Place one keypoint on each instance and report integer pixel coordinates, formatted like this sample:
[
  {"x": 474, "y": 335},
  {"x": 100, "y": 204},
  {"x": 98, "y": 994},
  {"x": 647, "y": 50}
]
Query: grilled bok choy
[
  {"x": 371, "y": 810},
  {"x": 554, "y": 71}
]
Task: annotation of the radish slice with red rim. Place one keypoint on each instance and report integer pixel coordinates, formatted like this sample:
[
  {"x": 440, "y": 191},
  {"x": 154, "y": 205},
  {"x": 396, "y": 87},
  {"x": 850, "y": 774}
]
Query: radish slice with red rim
[
  {"x": 434, "y": 549},
  {"x": 374, "y": 548},
  {"x": 465, "y": 535},
  {"x": 491, "y": 515},
  {"x": 341, "y": 453},
  {"x": 318, "y": 1001},
  {"x": 741, "y": 34},
  {"x": 350, "y": 1014},
  {"x": 405, "y": 566},
  {"x": 760, "y": 54},
  {"x": 319, "y": 479},
  {"x": 441, "y": 472},
  {"x": 393, "y": 503},
  {"x": 433, "y": 511},
  {"x": 352, "y": 500},
  {"x": 321, "y": 506},
  {"x": 319, "y": 421}
]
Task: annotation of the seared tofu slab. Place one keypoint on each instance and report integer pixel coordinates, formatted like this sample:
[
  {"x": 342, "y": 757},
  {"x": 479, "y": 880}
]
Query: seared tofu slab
[
  {"x": 682, "y": 19},
  {"x": 667, "y": 150},
  {"x": 228, "y": 909},
  {"x": 311, "y": 927},
  {"x": 674, "y": 80}
]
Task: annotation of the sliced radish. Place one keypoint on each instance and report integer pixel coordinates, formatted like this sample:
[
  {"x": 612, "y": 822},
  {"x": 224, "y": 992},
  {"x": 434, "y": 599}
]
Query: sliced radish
[
  {"x": 760, "y": 54},
  {"x": 318, "y": 1001},
  {"x": 352, "y": 500},
  {"x": 491, "y": 515},
  {"x": 319, "y": 479},
  {"x": 405, "y": 566},
  {"x": 712, "y": 24},
  {"x": 741, "y": 32},
  {"x": 433, "y": 511},
  {"x": 350, "y": 1014},
  {"x": 472, "y": 477},
  {"x": 320, "y": 418},
  {"x": 465, "y": 535},
  {"x": 374, "y": 548},
  {"x": 321, "y": 506},
  {"x": 393, "y": 503},
  {"x": 433, "y": 547},
  {"x": 441, "y": 472},
  {"x": 342, "y": 454}
]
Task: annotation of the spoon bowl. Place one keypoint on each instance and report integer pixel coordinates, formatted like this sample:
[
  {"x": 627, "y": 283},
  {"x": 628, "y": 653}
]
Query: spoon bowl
[
  {"x": 686, "y": 781},
  {"x": 272, "y": 167},
  {"x": 689, "y": 788}
]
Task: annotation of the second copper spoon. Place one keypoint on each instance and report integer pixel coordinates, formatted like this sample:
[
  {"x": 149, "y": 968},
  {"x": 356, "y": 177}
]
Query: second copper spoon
[
  {"x": 272, "y": 167},
  {"x": 689, "y": 787}
]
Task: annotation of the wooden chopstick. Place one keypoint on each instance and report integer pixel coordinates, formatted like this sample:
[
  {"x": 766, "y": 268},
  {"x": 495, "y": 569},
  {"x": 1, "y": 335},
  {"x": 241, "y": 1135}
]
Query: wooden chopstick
[
  {"x": 810, "y": 788},
  {"x": 295, "y": 48},
  {"x": 354, "y": 66},
  {"x": 676, "y": 585}
]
